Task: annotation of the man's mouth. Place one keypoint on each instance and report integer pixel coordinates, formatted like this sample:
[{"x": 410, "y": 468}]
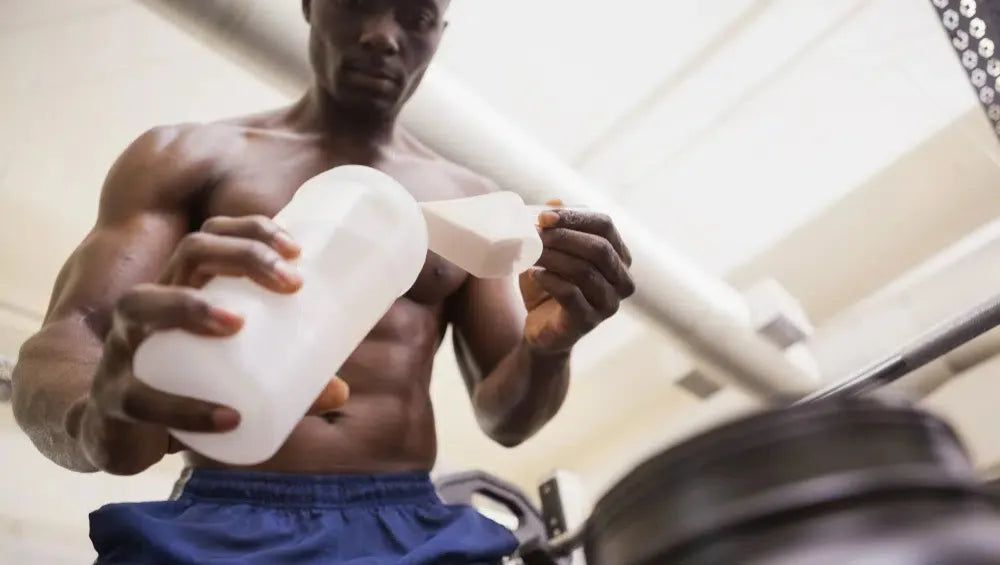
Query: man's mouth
[{"x": 375, "y": 73}]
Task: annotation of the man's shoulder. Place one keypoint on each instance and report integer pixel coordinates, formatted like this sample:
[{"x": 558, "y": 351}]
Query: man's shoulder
[
  {"x": 168, "y": 163},
  {"x": 179, "y": 146},
  {"x": 184, "y": 150}
]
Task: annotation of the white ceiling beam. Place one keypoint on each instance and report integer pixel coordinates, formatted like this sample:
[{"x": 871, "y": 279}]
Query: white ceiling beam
[
  {"x": 693, "y": 106},
  {"x": 635, "y": 115}
]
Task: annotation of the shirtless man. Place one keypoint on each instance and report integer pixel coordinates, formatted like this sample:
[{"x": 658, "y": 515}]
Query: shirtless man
[{"x": 189, "y": 202}]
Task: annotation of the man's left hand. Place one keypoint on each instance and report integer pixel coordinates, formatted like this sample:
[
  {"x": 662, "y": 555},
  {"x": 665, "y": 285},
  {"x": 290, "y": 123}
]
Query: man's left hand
[{"x": 578, "y": 282}]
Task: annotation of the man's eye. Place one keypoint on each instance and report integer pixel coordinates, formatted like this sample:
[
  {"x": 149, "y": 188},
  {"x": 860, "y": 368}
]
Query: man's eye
[
  {"x": 419, "y": 19},
  {"x": 359, "y": 5}
]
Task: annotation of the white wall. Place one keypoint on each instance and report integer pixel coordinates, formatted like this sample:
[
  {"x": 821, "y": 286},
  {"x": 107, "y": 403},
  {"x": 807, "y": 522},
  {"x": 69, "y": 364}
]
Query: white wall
[
  {"x": 91, "y": 84},
  {"x": 970, "y": 404},
  {"x": 81, "y": 79},
  {"x": 944, "y": 187}
]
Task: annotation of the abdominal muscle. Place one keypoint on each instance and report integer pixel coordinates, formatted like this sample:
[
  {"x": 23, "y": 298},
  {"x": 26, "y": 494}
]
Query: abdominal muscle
[{"x": 387, "y": 423}]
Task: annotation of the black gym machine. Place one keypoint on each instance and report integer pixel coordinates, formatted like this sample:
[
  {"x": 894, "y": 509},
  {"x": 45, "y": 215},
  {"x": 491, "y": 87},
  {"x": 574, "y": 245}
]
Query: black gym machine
[{"x": 839, "y": 476}]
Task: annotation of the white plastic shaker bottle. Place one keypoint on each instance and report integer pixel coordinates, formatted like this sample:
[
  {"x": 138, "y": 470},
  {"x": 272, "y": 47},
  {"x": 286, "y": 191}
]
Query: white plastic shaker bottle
[{"x": 364, "y": 242}]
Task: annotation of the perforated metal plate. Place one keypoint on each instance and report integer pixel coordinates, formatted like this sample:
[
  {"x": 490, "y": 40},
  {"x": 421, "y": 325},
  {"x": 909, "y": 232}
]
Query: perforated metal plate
[{"x": 972, "y": 27}]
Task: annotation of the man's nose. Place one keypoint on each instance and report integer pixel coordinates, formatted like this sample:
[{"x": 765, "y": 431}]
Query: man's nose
[{"x": 380, "y": 35}]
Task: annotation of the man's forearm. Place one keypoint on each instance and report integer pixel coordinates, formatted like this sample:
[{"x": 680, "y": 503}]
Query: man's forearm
[
  {"x": 46, "y": 387},
  {"x": 521, "y": 394}
]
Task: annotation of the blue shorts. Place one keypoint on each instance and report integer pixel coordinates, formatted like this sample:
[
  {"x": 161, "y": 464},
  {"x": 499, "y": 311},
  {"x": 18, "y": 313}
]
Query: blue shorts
[{"x": 250, "y": 518}]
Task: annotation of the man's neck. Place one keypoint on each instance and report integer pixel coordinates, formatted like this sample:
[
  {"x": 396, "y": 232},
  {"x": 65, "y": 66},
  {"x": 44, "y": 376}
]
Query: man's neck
[{"x": 316, "y": 111}]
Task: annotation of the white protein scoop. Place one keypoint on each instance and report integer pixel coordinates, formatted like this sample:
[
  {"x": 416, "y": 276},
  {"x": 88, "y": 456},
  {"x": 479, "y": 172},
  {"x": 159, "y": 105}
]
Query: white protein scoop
[{"x": 489, "y": 236}]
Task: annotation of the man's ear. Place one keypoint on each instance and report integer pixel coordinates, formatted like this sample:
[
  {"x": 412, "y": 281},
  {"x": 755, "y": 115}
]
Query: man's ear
[{"x": 307, "y": 9}]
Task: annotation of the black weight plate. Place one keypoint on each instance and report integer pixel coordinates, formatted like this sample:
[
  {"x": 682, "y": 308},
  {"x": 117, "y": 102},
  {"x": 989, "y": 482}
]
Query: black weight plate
[{"x": 773, "y": 462}]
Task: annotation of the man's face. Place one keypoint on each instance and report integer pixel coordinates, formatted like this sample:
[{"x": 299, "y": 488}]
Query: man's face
[{"x": 371, "y": 54}]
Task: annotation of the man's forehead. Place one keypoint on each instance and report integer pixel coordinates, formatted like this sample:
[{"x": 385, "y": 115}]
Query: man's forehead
[{"x": 443, "y": 4}]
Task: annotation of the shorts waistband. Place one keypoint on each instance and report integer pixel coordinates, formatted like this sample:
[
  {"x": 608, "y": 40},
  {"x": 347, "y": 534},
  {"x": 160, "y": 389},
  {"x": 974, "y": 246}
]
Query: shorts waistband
[{"x": 307, "y": 491}]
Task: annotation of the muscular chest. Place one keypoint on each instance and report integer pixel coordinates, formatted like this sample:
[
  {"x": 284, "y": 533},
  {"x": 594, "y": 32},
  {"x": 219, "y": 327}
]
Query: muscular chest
[{"x": 266, "y": 187}]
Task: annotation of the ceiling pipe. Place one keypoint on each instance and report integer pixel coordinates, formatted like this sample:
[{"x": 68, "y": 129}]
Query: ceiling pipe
[{"x": 700, "y": 309}]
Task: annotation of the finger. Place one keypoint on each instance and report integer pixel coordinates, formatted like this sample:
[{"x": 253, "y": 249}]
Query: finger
[
  {"x": 142, "y": 403},
  {"x": 596, "y": 251},
  {"x": 260, "y": 228},
  {"x": 117, "y": 446},
  {"x": 281, "y": 277},
  {"x": 202, "y": 256},
  {"x": 568, "y": 296},
  {"x": 588, "y": 222},
  {"x": 597, "y": 291},
  {"x": 149, "y": 307}
]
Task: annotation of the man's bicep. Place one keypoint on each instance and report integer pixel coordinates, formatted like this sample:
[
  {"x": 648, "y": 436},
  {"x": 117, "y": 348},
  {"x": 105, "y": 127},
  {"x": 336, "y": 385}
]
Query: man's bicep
[
  {"x": 488, "y": 323},
  {"x": 111, "y": 259}
]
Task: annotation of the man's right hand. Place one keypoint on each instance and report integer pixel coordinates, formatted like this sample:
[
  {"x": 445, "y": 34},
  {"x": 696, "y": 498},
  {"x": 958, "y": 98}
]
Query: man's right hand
[{"x": 122, "y": 424}]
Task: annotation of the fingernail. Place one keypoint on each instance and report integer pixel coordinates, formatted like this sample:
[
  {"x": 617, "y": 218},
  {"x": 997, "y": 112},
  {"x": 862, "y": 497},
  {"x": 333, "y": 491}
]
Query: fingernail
[
  {"x": 223, "y": 321},
  {"x": 225, "y": 418},
  {"x": 287, "y": 274},
  {"x": 287, "y": 244},
  {"x": 548, "y": 218}
]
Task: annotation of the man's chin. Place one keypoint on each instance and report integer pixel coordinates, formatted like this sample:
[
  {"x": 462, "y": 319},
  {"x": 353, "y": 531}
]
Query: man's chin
[{"x": 370, "y": 104}]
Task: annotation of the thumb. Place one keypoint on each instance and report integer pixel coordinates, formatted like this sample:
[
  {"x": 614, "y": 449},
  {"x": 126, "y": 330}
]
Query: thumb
[{"x": 531, "y": 292}]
